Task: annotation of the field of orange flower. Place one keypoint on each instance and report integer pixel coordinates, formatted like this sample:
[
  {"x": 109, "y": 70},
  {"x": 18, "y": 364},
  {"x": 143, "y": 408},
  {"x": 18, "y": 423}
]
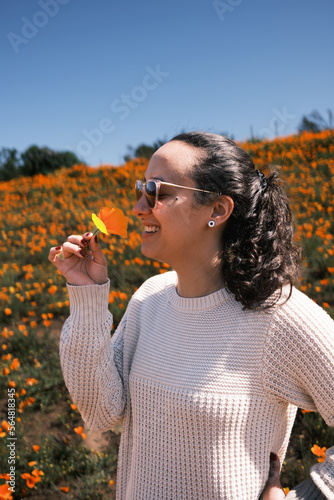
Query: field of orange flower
[{"x": 41, "y": 432}]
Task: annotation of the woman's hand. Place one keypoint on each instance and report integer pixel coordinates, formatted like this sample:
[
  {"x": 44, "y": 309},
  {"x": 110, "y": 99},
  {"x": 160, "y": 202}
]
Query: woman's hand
[
  {"x": 273, "y": 489},
  {"x": 78, "y": 266}
]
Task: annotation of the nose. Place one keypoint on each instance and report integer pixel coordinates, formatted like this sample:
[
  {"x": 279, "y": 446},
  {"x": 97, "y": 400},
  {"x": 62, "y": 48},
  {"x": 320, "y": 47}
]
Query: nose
[{"x": 141, "y": 207}]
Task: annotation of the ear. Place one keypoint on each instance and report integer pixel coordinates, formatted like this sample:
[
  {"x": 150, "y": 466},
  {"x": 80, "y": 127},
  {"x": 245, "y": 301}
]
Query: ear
[{"x": 222, "y": 210}]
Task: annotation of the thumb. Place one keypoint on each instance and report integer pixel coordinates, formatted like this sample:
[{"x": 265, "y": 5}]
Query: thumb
[
  {"x": 273, "y": 489},
  {"x": 98, "y": 256},
  {"x": 274, "y": 471}
]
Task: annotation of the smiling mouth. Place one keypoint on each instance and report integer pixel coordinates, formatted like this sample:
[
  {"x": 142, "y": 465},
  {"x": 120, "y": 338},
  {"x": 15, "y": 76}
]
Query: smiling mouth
[{"x": 151, "y": 229}]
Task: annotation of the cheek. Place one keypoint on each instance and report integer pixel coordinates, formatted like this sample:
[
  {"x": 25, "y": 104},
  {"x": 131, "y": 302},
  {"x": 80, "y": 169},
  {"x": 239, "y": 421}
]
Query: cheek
[
  {"x": 180, "y": 215},
  {"x": 168, "y": 203}
]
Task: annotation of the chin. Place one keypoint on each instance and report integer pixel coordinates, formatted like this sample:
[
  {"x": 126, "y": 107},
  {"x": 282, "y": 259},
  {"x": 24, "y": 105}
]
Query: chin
[
  {"x": 151, "y": 254},
  {"x": 147, "y": 252}
]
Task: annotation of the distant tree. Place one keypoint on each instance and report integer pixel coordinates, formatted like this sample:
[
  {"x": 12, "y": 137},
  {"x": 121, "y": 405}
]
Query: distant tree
[
  {"x": 66, "y": 159},
  {"x": 9, "y": 164},
  {"x": 314, "y": 122},
  {"x": 143, "y": 150},
  {"x": 37, "y": 160},
  {"x": 34, "y": 160}
]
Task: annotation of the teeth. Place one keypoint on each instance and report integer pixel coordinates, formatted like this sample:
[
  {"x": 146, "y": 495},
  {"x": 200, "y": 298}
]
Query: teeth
[{"x": 151, "y": 229}]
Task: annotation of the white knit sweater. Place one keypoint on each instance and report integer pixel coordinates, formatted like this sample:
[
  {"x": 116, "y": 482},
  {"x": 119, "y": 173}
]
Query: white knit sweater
[{"x": 205, "y": 389}]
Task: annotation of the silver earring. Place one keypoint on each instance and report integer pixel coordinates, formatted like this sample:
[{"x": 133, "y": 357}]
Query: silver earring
[{"x": 211, "y": 223}]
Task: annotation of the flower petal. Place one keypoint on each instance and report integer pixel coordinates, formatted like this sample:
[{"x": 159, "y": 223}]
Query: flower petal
[
  {"x": 99, "y": 224},
  {"x": 114, "y": 221}
]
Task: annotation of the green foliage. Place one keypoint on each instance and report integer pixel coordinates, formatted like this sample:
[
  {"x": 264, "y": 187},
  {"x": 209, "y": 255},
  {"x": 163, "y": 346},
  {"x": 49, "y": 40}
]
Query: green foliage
[
  {"x": 315, "y": 122},
  {"x": 309, "y": 429},
  {"x": 143, "y": 150},
  {"x": 64, "y": 461},
  {"x": 9, "y": 164},
  {"x": 34, "y": 160}
]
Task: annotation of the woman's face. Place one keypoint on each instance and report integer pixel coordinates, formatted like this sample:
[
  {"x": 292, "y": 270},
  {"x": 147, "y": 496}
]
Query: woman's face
[{"x": 176, "y": 231}]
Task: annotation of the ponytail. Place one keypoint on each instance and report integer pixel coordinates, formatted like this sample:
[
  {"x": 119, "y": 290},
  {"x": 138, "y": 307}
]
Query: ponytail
[{"x": 258, "y": 254}]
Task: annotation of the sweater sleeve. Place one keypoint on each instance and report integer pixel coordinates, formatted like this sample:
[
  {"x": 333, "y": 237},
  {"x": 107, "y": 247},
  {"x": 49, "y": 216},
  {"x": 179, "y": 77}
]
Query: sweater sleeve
[
  {"x": 92, "y": 360},
  {"x": 299, "y": 369}
]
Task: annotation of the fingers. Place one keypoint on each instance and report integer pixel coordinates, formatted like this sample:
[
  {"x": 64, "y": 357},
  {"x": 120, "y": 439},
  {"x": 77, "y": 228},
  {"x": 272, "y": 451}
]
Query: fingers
[
  {"x": 274, "y": 471},
  {"x": 79, "y": 246},
  {"x": 70, "y": 249},
  {"x": 97, "y": 252},
  {"x": 273, "y": 489},
  {"x": 82, "y": 241},
  {"x": 67, "y": 250},
  {"x": 54, "y": 256},
  {"x": 74, "y": 245}
]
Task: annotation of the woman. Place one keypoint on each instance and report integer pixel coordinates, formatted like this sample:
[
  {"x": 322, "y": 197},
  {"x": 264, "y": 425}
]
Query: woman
[{"x": 210, "y": 362}]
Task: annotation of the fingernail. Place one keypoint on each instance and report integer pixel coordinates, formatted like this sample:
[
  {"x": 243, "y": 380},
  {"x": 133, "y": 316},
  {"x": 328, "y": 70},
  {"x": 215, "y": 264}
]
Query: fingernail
[
  {"x": 96, "y": 239},
  {"x": 86, "y": 234},
  {"x": 84, "y": 242},
  {"x": 83, "y": 253},
  {"x": 58, "y": 248}
]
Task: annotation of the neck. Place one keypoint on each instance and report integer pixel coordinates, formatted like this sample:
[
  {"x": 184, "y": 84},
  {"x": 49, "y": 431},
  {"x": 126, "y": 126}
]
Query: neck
[{"x": 200, "y": 280}]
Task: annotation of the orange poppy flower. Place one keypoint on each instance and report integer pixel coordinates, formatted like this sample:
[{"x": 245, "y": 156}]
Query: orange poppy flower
[
  {"x": 5, "y": 476},
  {"x": 79, "y": 430},
  {"x": 5, "y": 425},
  {"x": 5, "y": 493},
  {"x": 15, "y": 364},
  {"x": 52, "y": 289},
  {"x": 30, "y": 480},
  {"x": 319, "y": 452},
  {"x": 31, "y": 381},
  {"x": 37, "y": 473},
  {"x": 111, "y": 221}
]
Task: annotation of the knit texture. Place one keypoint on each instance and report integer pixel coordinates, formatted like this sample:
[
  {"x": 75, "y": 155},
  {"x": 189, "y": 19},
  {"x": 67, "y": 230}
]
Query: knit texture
[
  {"x": 205, "y": 389},
  {"x": 306, "y": 490}
]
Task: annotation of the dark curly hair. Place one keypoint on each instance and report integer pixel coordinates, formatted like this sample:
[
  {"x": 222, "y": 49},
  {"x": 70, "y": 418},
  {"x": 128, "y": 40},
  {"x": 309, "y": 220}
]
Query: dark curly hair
[{"x": 259, "y": 256}]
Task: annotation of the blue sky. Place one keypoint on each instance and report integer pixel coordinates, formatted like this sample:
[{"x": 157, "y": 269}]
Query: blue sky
[{"x": 95, "y": 77}]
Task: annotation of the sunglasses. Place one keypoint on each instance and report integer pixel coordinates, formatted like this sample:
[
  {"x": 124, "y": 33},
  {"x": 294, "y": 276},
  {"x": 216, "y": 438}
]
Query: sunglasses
[{"x": 151, "y": 189}]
